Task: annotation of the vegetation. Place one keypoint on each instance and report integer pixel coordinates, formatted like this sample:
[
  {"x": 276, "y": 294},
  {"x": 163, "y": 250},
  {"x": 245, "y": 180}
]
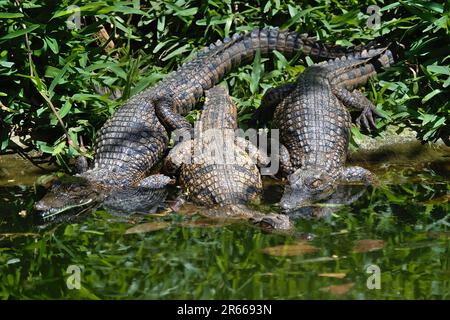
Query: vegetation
[
  {"x": 46, "y": 63},
  {"x": 49, "y": 67}
]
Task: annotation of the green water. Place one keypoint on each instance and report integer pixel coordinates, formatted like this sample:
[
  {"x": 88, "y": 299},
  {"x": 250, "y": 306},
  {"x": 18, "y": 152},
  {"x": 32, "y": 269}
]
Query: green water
[{"x": 402, "y": 227}]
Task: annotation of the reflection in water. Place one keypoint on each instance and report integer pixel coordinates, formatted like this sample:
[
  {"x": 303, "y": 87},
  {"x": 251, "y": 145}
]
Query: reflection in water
[
  {"x": 135, "y": 201},
  {"x": 124, "y": 203},
  {"x": 343, "y": 195},
  {"x": 401, "y": 226}
]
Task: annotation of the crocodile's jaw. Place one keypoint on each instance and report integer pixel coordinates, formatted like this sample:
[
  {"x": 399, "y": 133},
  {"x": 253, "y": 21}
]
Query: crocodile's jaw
[
  {"x": 49, "y": 214},
  {"x": 294, "y": 198},
  {"x": 306, "y": 187},
  {"x": 65, "y": 198}
]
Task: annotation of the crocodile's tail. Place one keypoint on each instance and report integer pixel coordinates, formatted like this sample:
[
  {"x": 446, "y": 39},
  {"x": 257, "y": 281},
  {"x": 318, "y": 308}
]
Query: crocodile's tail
[
  {"x": 188, "y": 83},
  {"x": 354, "y": 70},
  {"x": 270, "y": 39}
]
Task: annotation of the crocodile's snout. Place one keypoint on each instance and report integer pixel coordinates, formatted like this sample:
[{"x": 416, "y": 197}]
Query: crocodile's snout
[
  {"x": 285, "y": 206},
  {"x": 40, "y": 206}
]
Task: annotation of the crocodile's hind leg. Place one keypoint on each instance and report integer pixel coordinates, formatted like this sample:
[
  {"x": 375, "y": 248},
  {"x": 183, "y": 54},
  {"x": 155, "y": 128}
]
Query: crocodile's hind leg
[
  {"x": 156, "y": 181},
  {"x": 269, "y": 102},
  {"x": 357, "y": 175},
  {"x": 180, "y": 154},
  {"x": 172, "y": 120},
  {"x": 356, "y": 100},
  {"x": 285, "y": 161},
  {"x": 81, "y": 164}
]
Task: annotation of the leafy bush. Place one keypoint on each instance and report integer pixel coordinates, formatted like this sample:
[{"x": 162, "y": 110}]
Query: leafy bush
[{"x": 128, "y": 46}]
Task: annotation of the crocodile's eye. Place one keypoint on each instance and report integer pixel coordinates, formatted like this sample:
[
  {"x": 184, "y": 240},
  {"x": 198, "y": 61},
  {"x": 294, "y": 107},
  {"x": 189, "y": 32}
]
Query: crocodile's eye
[
  {"x": 315, "y": 183},
  {"x": 75, "y": 189},
  {"x": 56, "y": 184}
]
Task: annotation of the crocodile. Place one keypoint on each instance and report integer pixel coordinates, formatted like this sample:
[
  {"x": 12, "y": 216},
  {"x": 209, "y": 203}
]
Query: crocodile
[
  {"x": 218, "y": 169},
  {"x": 71, "y": 196},
  {"x": 136, "y": 137},
  {"x": 315, "y": 125}
]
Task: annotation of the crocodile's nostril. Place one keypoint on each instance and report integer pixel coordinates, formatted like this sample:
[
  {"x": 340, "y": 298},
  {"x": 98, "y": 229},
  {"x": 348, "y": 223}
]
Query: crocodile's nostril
[
  {"x": 39, "y": 206},
  {"x": 285, "y": 205}
]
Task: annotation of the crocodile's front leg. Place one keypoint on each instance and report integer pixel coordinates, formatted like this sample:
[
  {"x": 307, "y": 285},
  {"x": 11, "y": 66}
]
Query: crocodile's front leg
[
  {"x": 355, "y": 174},
  {"x": 258, "y": 156},
  {"x": 357, "y": 100}
]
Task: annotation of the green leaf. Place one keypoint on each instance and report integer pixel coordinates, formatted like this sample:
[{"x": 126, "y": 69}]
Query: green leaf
[
  {"x": 439, "y": 69},
  {"x": 52, "y": 44},
  {"x": 296, "y": 18},
  {"x": 59, "y": 148},
  {"x": 439, "y": 123},
  {"x": 44, "y": 147},
  {"x": 58, "y": 77},
  {"x": 431, "y": 95},
  {"x": 256, "y": 73},
  {"x": 281, "y": 60},
  {"x": 65, "y": 109},
  {"x": 10, "y": 15},
  {"x": 20, "y": 32},
  {"x": 186, "y": 12},
  {"x": 176, "y": 52}
]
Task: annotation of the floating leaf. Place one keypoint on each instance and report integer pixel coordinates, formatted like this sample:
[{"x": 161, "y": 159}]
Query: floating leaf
[
  {"x": 338, "y": 290},
  {"x": 338, "y": 275},
  {"x": 289, "y": 250},
  {"x": 148, "y": 227},
  {"x": 436, "y": 234},
  {"x": 206, "y": 223},
  {"x": 12, "y": 261},
  {"x": 368, "y": 245}
]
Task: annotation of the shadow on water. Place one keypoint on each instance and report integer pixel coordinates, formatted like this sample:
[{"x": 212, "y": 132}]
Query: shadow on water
[{"x": 402, "y": 227}]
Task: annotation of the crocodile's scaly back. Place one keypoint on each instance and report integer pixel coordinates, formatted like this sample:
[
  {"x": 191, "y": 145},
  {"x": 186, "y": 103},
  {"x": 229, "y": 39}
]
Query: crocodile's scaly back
[
  {"x": 129, "y": 144},
  {"x": 134, "y": 139},
  {"x": 221, "y": 172},
  {"x": 219, "y": 112},
  {"x": 315, "y": 125}
]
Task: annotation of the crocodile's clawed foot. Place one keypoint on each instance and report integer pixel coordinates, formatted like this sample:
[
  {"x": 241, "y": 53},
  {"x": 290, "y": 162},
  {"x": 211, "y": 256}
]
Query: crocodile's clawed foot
[{"x": 366, "y": 118}]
